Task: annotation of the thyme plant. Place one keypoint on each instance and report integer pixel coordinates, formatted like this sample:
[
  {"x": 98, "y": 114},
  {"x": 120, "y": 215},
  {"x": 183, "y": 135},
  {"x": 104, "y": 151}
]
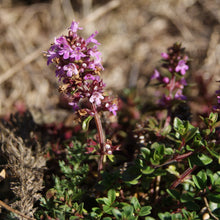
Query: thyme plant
[{"x": 173, "y": 172}]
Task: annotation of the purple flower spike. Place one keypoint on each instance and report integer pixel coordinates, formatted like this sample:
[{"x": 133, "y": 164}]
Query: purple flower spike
[
  {"x": 79, "y": 67},
  {"x": 182, "y": 67}
]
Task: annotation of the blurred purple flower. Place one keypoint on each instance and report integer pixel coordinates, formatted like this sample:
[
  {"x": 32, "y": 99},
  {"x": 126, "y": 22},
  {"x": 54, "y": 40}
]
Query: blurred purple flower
[
  {"x": 92, "y": 39},
  {"x": 181, "y": 67},
  {"x": 166, "y": 80},
  {"x": 75, "y": 26},
  {"x": 96, "y": 98},
  {"x": 112, "y": 108},
  {"x": 156, "y": 75},
  {"x": 165, "y": 55}
]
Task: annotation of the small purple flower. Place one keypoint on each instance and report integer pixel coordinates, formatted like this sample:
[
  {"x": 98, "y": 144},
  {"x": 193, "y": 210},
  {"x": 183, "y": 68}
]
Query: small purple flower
[
  {"x": 217, "y": 107},
  {"x": 60, "y": 72},
  {"x": 166, "y": 80},
  {"x": 112, "y": 108},
  {"x": 181, "y": 67},
  {"x": 179, "y": 95},
  {"x": 165, "y": 55},
  {"x": 218, "y": 97},
  {"x": 77, "y": 54},
  {"x": 183, "y": 81},
  {"x": 92, "y": 77},
  {"x": 96, "y": 98},
  {"x": 71, "y": 69},
  {"x": 92, "y": 39},
  {"x": 74, "y": 105},
  {"x": 75, "y": 26},
  {"x": 51, "y": 55},
  {"x": 156, "y": 75},
  {"x": 63, "y": 47},
  {"x": 95, "y": 53}
]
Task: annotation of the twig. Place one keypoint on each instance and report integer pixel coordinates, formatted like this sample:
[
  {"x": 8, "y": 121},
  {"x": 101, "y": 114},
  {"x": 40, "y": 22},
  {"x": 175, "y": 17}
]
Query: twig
[
  {"x": 210, "y": 211},
  {"x": 14, "y": 211},
  {"x": 183, "y": 176},
  {"x": 34, "y": 55}
]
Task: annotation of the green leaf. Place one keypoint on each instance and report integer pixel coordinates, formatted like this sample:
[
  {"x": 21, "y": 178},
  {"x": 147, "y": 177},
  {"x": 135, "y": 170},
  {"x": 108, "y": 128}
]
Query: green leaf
[
  {"x": 73, "y": 217},
  {"x": 199, "y": 160},
  {"x": 116, "y": 213},
  {"x": 111, "y": 157},
  {"x": 159, "y": 151},
  {"x": 132, "y": 174},
  {"x": 213, "y": 117},
  {"x": 85, "y": 124},
  {"x": 203, "y": 176},
  {"x": 104, "y": 201},
  {"x": 106, "y": 218},
  {"x": 178, "y": 124},
  {"x": 210, "y": 175},
  {"x": 190, "y": 134},
  {"x": 198, "y": 182},
  {"x": 135, "y": 203},
  {"x": 128, "y": 210},
  {"x": 107, "y": 209},
  {"x": 213, "y": 153},
  {"x": 165, "y": 216},
  {"x": 111, "y": 195},
  {"x": 217, "y": 178},
  {"x": 186, "y": 197},
  {"x": 168, "y": 151},
  {"x": 147, "y": 170},
  {"x": 145, "y": 210},
  {"x": 204, "y": 159},
  {"x": 145, "y": 152},
  {"x": 174, "y": 193},
  {"x": 166, "y": 130},
  {"x": 191, "y": 205},
  {"x": 214, "y": 198}
]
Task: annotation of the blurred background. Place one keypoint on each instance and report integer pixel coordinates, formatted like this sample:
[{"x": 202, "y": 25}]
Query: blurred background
[{"x": 132, "y": 33}]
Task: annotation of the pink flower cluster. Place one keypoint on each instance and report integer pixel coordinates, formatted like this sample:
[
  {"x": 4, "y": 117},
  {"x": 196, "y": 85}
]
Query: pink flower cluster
[
  {"x": 78, "y": 65},
  {"x": 175, "y": 63}
]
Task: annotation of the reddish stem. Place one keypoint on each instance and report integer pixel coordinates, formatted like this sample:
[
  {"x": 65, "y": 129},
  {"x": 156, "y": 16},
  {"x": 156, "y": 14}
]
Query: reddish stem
[
  {"x": 101, "y": 136},
  {"x": 183, "y": 176}
]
